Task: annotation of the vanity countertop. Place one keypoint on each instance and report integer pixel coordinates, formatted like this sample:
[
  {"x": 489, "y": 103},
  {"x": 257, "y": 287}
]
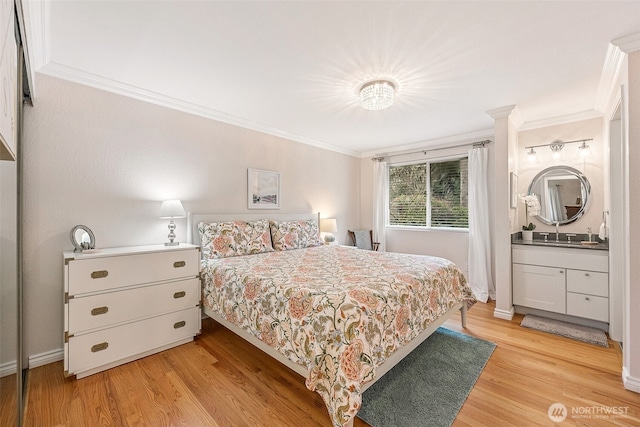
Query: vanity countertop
[{"x": 575, "y": 243}]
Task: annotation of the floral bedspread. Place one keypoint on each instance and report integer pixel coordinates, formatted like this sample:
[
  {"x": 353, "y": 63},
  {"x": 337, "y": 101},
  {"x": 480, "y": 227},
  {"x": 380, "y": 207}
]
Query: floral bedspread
[{"x": 338, "y": 311}]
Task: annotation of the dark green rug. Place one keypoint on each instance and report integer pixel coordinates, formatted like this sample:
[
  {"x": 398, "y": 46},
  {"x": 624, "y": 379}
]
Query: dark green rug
[{"x": 430, "y": 385}]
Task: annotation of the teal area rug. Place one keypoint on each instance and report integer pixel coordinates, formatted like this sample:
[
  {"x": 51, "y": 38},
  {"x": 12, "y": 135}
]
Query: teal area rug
[{"x": 430, "y": 385}]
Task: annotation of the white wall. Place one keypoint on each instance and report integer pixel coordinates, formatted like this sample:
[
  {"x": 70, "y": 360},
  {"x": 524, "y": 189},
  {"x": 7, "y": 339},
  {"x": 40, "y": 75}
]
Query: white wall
[
  {"x": 107, "y": 161},
  {"x": 592, "y": 168}
]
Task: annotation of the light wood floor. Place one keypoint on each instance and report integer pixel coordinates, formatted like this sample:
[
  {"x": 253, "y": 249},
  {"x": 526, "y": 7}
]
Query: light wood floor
[{"x": 220, "y": 380}]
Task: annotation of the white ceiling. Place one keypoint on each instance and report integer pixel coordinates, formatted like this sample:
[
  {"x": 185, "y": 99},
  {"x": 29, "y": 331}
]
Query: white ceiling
[{"x": 294, "y": 68}]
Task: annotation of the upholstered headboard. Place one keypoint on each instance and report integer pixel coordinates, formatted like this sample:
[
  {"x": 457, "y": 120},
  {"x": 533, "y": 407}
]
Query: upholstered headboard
[{"x": 193, "y": 219}]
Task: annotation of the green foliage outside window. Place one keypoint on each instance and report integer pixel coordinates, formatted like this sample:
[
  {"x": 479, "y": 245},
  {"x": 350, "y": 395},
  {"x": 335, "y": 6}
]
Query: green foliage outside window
[{"x": 440, "y": 201}]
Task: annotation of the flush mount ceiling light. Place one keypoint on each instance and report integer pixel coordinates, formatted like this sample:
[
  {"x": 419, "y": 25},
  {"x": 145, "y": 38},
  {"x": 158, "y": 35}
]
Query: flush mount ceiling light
[{"x": 377, "y": 95}]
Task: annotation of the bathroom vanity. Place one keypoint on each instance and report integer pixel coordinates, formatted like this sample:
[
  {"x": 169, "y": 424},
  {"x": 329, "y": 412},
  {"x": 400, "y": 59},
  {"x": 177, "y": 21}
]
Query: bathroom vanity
[
  {"x": 561, "y": 275},
  {"x": 564, "y": 278}
]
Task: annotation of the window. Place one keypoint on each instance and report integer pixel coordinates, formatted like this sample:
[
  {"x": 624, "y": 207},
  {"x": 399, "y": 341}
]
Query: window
[{"x": 429, "y": 194}]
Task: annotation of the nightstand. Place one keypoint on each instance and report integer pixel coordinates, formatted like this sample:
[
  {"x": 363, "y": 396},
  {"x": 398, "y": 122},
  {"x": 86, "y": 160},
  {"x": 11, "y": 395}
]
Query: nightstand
[{"x": 121, "y": 304}]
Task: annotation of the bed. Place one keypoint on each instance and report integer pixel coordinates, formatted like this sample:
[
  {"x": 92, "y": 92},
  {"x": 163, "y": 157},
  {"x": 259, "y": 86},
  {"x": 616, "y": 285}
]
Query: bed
[{"x": 339, "y": 316}]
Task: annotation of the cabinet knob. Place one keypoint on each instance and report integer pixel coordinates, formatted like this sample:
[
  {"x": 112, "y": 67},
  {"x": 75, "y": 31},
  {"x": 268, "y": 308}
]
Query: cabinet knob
[
  {"x": 180, "y": 294},
  {"x": 587, "y": 298},
  {"x": 179, "y": 264},
  {"x": 586, "y": 274},
  {"x": 561, "y": 271}
]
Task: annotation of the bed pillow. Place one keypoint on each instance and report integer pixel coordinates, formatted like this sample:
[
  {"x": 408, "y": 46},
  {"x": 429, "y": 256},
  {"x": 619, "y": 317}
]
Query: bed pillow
[
  {"x": 287, "y": 235},
  {"x": 233, "y": 238}
]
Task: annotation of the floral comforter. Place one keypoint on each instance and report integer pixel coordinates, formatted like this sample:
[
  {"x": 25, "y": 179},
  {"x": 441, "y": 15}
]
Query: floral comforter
[{"x": 338, "y": 311}]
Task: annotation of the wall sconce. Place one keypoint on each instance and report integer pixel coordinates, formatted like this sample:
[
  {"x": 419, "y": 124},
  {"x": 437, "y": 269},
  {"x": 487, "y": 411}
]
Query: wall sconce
[
  {"x": 329, "y": 226},
  {"x": 584, "y": 151},
  {"x": 172, "y": 209},
  {"x": 556, "y": 149}
]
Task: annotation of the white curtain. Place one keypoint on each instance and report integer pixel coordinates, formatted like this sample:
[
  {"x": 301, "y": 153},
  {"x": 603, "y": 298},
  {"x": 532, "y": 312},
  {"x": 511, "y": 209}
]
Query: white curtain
[
  {"x": 555, "y": 205},
  {"x": 480, "y": 278},
  {"x": 380, "y": 185}
]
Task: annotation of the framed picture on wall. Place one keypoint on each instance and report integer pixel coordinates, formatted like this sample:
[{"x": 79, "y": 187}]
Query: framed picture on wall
[
  {"x": 263, "y": 189},
  {"x": 514, "y": 190}
]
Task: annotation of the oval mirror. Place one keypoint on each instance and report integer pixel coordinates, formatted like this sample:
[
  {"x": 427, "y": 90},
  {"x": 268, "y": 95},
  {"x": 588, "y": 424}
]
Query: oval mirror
[
  {"x": 82, "y": 238},
  {"x": 564, "y": 194}
]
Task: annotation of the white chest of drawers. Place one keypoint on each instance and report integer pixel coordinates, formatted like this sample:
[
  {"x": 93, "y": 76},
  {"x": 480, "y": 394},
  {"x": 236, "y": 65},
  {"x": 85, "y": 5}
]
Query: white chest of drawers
[{"x": 121, "y": 304}]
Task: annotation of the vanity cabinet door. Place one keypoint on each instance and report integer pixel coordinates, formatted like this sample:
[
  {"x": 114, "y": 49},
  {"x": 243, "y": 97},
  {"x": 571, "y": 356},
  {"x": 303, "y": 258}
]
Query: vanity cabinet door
[{"x": 539, "y": 287}]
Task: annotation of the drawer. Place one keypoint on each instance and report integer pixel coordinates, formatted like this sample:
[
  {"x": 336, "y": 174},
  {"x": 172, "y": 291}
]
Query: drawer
[
  {"x": 588, "y": 282},
  {"x": 99, "y": 311},
  {"x": 107, "y": 346},
  {"x": 588, "y": 306},
  {"x": 103, "y": 273}
]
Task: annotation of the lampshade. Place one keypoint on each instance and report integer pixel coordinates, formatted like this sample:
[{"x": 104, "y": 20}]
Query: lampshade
[
  {"x": 584, "y": 151},
  {"x": 377, "y": 95},
  {"x": 556, "y": 149},
  {"x": 172, "y": 209},
  {"x": 328, "y": 225}
]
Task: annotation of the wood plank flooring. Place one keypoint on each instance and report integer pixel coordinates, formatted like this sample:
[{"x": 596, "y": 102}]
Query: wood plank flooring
[{"x": 220, "y": 380}]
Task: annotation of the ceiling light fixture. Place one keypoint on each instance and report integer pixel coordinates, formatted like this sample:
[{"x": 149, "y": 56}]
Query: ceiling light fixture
[{"x": 377, "y": 95}]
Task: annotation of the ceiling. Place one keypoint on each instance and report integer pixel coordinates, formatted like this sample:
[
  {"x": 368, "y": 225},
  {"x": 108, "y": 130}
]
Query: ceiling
[{"x": 294, "y": 69}]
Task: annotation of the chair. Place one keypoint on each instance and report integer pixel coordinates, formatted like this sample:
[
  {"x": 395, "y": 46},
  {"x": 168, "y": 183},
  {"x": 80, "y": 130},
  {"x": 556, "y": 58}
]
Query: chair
[{"x": 363, "y": 239}]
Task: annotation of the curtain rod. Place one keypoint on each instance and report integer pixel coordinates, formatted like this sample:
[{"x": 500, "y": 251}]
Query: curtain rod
[{"x": 473, "y": 144}]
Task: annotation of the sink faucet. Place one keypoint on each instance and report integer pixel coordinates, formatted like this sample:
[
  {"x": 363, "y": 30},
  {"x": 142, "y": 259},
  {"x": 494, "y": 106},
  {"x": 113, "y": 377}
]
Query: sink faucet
[{"x": 557, "y": 234}]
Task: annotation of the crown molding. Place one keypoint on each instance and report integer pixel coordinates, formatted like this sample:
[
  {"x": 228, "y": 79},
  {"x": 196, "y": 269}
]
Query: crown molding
[
  {"x": 610, "y": 74},
  {"x": 99, "y": 82},
  {"x": 560, "y": 120},
  {"x": 628, "y": 43},
  {"x": 502, "y": 112},
  {"x": 516, "y": 117},
  {"x": 431, "y": 144}
]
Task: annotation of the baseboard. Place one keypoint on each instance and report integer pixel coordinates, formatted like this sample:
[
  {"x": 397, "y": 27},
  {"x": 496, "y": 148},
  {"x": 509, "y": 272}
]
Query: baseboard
[
  {"x": 8, "y": 368},
  {"x": 630, "y": 383},
  {"x": 504, "y": 314},
  {"x": 45, "y": 358}
]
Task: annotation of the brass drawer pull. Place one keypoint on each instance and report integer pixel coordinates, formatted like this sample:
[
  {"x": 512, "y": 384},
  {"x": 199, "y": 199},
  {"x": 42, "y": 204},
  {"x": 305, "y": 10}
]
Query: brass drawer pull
[
  {"x": 99, "y": 274},
  {"x": 179, "y": 294},
  {"x": 99, "y": 310},
  {"x": 179, "y": 264},
  {"x": 180, "y": 324},
  {"x": 99, "y": 347}
]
